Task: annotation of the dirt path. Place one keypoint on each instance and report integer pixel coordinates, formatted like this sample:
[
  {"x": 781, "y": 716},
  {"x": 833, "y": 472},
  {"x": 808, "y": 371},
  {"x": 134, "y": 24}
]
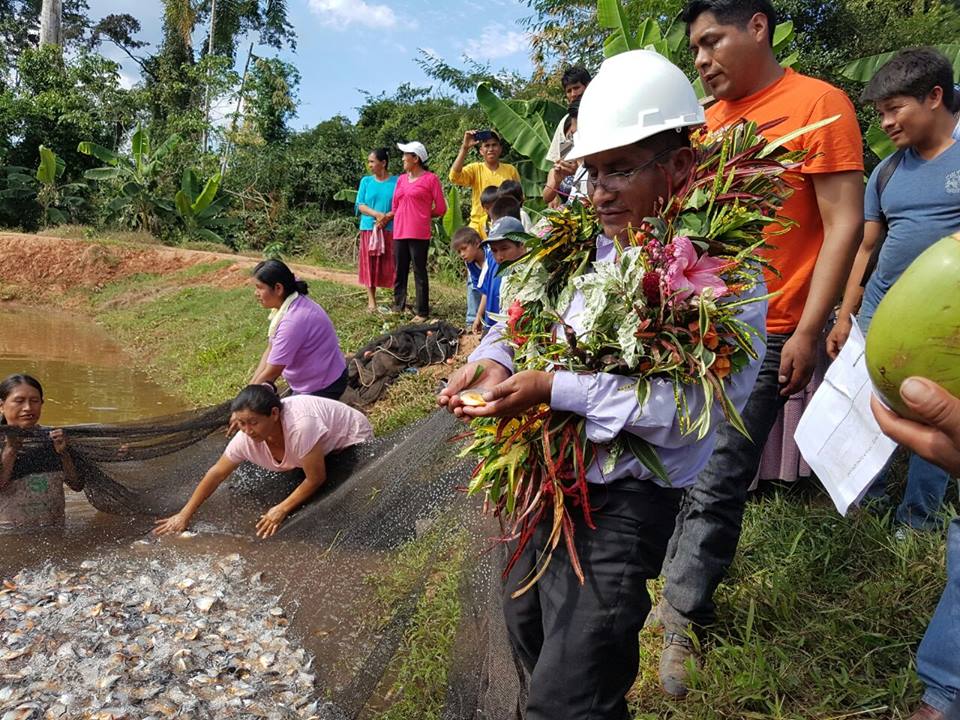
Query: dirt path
[{"x": 47, "y": 266}]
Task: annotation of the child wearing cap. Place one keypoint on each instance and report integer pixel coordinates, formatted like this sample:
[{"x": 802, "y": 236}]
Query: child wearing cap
[
  {"x": 504, "y": 251},
  {"x": 479, "y": 175}
]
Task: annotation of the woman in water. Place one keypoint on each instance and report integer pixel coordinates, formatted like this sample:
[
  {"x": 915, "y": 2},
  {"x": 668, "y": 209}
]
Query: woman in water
[
  {"x": 32, "y": 473},
  {"x": 302, "y": 342},
  {"x": 296, "y": 432}
]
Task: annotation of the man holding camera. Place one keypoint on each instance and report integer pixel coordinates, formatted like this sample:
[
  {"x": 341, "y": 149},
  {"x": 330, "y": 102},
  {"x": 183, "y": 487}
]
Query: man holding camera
[{"x": 480, "y": 175}]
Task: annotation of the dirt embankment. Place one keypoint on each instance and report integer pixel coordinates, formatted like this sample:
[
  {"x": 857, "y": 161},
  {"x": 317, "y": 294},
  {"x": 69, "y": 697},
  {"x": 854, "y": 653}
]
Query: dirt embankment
[{"x": 39, "y": 267}]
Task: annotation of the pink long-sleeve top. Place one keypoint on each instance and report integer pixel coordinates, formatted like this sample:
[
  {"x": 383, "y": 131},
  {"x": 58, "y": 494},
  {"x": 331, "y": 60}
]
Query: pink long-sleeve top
[{"x": 414, "y": 204}]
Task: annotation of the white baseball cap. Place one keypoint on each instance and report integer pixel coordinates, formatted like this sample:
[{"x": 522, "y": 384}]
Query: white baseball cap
[{"x": 414, "y": 147}]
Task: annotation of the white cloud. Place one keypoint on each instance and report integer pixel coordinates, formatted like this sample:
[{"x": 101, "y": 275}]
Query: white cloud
[
  {"x": 496, "y": 41},
  {"x": 346, "y": 12},
  {"x": 127, "y": 80}
]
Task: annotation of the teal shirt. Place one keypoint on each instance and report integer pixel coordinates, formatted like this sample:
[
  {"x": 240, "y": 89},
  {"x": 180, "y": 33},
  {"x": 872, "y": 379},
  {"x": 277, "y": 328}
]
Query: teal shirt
[{"x": 377, "y": 195}]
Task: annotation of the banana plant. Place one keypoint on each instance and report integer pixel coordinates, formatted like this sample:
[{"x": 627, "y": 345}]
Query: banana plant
[
  {"x": 528, "y": 126},
  {"x": 672, "y": 43},
  {"x": 136, "y": 202},
  {"x": 198, "y": 206},
  {"x": 58, "y": 202}
]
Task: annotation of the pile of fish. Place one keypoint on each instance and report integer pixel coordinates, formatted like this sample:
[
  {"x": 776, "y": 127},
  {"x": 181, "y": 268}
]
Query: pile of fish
[{"x": 149, "y": 638}]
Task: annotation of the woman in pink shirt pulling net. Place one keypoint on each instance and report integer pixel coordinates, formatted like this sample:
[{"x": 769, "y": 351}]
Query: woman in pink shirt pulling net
[
  {"x": 302, "y": 344},
  {"x": 418, "y": 199},
  {"x": 296, "y": 432}
]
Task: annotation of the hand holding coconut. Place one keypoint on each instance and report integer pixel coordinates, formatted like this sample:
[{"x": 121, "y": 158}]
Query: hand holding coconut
[{"x": 936, "y": 437}]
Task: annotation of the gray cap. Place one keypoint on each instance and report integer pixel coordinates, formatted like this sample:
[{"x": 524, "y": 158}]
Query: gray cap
[{"x": 503, "y": 227}]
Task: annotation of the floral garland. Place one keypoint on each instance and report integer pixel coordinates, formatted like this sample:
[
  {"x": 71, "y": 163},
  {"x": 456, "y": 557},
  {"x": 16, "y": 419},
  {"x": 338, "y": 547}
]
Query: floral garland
[{"x": 652, "y": 314}]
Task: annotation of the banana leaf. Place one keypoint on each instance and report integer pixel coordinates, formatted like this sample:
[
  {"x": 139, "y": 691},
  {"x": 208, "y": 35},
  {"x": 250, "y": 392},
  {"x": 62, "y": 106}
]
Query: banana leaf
[
  {"x": 183, "y": 207},
  {"x": 453, "y": 217},
  {"x": 106, "y": 173},
  {"x": 527, "y": 136},
  {"x": 610, "y": 16},
  {"x": 99, "y": 152},
  {"x": 346, "y": 195},
  {"x": 50, "y": 168},
  {"x": 863, "y": 69},
  {"x": 206, "y": 197},
  {"x": 783, "y": 33},
  {"x": 879, "y": 143}
]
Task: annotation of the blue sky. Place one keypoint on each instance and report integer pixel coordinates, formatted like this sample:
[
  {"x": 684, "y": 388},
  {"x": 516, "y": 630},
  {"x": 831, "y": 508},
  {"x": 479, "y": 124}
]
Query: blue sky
[{"x": 346, "y": 46}]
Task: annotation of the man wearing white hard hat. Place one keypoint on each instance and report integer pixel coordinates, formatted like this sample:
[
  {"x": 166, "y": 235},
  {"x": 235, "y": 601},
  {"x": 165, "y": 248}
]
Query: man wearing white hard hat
[{"x": 579, "y": 642}]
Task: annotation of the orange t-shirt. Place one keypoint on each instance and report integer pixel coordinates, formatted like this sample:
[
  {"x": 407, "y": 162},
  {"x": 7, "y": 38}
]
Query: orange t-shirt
[{"x": 837, "y": 147}]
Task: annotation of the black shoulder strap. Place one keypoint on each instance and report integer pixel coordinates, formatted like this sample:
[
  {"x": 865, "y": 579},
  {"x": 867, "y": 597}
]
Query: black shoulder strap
[{"x": 886, "y": 172}]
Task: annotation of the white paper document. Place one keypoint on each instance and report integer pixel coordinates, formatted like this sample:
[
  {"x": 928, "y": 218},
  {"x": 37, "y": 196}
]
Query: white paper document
[{"x": 838, "y": 435}]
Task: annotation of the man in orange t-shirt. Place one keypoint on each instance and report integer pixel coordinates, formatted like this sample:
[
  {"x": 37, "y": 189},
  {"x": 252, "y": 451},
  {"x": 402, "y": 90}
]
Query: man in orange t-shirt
[{"x": 732, "y": 45}]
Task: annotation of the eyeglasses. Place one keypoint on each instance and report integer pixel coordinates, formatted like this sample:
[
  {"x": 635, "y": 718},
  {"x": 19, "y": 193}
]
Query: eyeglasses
[{"x": 616, "y": 181}]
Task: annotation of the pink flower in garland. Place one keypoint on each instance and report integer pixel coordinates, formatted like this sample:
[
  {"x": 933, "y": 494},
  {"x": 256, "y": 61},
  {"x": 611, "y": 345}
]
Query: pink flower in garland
[{"x": 688, "y": 274}]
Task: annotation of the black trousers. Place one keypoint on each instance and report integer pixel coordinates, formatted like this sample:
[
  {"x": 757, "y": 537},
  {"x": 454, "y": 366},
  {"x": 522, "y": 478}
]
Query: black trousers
[
  {"x": 334, "y": 390},
  {"x": 579, "y": 643},
  {"x": 403, "y": 252}
]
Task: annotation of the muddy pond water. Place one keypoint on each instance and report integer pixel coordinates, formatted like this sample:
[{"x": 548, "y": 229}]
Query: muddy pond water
[{"x": 87, "y": 378}]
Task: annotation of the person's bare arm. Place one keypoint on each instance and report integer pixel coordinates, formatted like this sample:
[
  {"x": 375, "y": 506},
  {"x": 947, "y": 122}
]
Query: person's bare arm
[
  {"x": 840, "y": 200},
  {"x": 8, "y": 457},
  {"x": 211, "y": 481},
  {"x": 853, "y": 295},
  {"x": 260, "y": 365},
  {"x": 315, "y": 469},
  {"x": 267, "y": 373},
  {"x": 481, "y": 311},
  {"x": 456, "y": 169},
  {"x": 70, "y": 475}
]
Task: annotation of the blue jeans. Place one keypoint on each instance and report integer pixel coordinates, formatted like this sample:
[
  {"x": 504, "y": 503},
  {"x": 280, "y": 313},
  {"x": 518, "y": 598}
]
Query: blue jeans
[
  {"x": 923, "y": 496},
  {"x": 938, "y": 657},
  {"x": 473, "y": 302}
]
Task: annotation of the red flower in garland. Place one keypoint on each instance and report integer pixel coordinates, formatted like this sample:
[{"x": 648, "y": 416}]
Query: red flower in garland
[
  {"x": 514, "y": 315},
  {"x": 651, "y": 287}
]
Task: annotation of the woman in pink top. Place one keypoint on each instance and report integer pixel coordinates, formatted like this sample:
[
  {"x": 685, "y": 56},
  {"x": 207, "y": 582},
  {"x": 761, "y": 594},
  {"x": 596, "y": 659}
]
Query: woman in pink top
[
  {"x": 417, "y": 199},
  {"x": 296, "y": 432}
]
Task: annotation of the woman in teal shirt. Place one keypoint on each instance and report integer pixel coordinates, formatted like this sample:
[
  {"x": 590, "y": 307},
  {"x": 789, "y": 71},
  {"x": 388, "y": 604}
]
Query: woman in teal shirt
[{"x": 374, "y": 197}]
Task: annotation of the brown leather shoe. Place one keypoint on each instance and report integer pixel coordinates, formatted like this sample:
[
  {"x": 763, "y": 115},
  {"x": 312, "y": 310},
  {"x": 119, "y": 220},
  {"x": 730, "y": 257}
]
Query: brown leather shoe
[
  {"x": 926, "y": 712},
  {"x": 678, "y": 651}
]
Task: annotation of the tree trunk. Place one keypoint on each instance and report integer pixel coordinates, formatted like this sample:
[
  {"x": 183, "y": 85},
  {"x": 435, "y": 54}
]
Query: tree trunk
[{"x": 51, "y": 23}]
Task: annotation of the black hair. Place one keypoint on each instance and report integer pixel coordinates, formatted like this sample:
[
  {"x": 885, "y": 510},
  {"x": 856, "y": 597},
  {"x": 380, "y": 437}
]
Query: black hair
[
  {"x": 731, "y": 12},
  {"x": 914, "y": 73},
  {"x": 575, "y": 74},
  {"x": 465, "y": 236},
  {"x": 256, "y": 398},
  {"x": 381, "y": 154},
  {"x": 489, "y": 195},
  {"x": 504, "y": 206},
  {"x": 511, "y": 189},
  {"x": 12, "y": 382},
  {"x": 271, "y": 272},
  {"x": 667, "y": 140}
]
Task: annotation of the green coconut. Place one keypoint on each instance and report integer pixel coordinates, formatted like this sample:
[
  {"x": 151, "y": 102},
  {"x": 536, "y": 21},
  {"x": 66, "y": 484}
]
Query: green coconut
[{"x": 916, "y": 327}]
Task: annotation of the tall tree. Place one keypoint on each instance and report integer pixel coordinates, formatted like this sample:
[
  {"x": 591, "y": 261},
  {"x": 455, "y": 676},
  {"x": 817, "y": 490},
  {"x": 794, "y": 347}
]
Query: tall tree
[{"x": 51, "y": 23}]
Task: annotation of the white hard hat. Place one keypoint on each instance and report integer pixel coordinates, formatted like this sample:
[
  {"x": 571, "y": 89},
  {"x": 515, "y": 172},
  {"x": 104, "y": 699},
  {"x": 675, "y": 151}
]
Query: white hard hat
[
  {"x": 414, "y": 147},
  {"x": 635, "y": 95}
]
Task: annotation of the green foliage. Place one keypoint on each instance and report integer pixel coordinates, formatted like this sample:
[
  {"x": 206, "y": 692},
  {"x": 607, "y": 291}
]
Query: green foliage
[
  {"x": 136, "y": 195},
  {"x": 58, "y": 202},
  {"x": 270, "y": 98},
  {"x": 202, "y": 212}
]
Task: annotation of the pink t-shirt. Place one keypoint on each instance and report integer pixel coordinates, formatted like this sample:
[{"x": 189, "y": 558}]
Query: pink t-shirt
[
  {"x": 414, "y": 204},
  {"x": 306, "y": 421}
]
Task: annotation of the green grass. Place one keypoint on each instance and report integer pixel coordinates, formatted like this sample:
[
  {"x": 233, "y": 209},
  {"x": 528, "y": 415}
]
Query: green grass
[
  {"x": 820, "y": 618},
  {"x": 417, "y": 675},
  {"x": 203, "y": 342}
]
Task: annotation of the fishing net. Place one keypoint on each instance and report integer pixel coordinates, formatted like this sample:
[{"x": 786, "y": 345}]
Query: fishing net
[{"x": 357, "y": 567}]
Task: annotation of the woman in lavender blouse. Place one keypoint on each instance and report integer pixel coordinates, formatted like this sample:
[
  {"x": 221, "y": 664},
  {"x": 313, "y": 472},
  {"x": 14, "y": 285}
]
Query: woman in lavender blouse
[{"x": 302, "y": 344}]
